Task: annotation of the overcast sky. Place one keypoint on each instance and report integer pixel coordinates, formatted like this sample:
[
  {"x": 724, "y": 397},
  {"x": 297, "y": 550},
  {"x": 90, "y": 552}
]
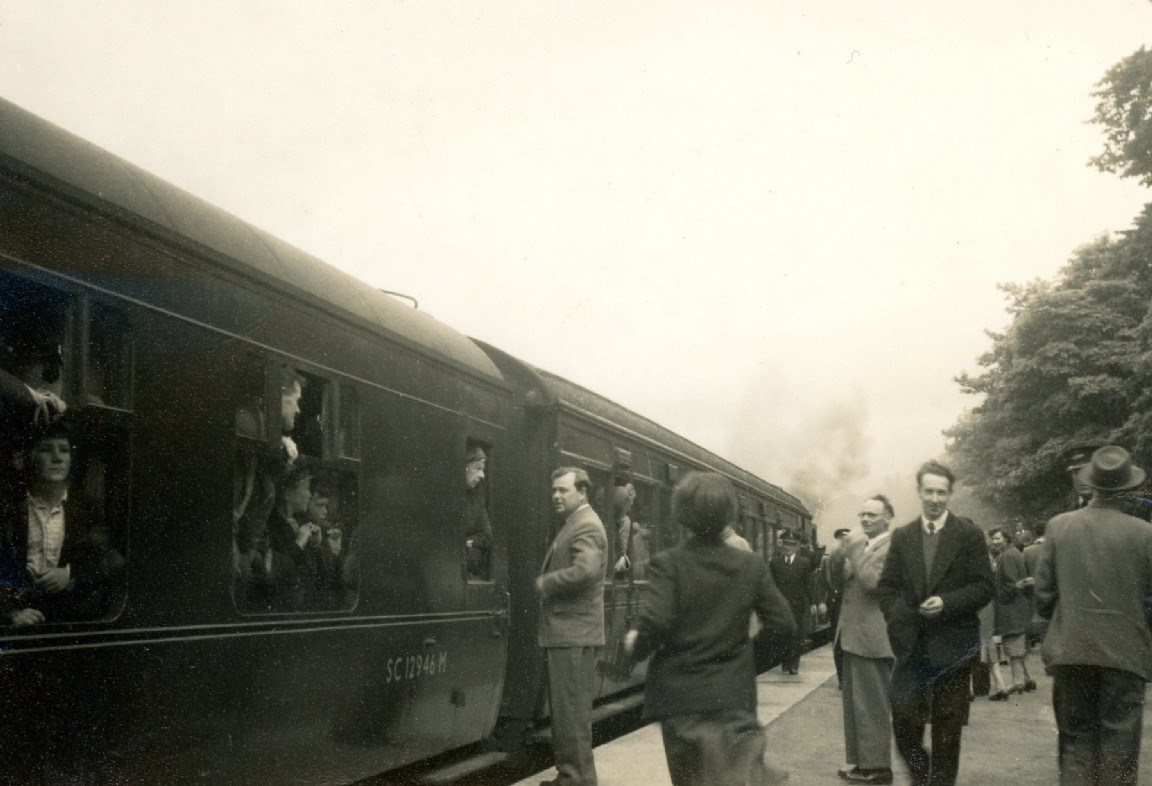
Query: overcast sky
[{"x": 775, "y": 227}]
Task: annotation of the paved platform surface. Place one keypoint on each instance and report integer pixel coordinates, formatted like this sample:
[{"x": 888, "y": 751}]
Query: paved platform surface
[{"x": 1010, "y": 743}]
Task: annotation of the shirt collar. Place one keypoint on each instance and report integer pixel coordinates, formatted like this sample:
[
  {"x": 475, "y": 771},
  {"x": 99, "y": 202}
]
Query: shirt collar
[
  {"x": 36, "y": 502},
  {"x": 938, "y": 522}
]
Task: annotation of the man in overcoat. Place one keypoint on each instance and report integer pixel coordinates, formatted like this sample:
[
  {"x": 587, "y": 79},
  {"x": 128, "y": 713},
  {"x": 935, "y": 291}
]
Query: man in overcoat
[
  {"x": 793, "y": 575},
  {"x": 571, "y": 590},
  {"x": 1094, "y": 581},
  {"x": 935, "y": 581},
  {"x": 862, "y": 635}
]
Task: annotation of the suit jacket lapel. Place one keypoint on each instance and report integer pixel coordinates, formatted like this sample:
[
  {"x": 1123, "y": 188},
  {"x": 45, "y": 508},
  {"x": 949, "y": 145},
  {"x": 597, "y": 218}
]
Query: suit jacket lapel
[{"x": 946, "y": 550}]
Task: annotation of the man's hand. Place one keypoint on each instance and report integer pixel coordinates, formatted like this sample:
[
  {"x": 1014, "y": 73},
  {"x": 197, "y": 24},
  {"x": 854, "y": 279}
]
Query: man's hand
[
  {"x": 27, "y": 617},
  {"x": 622, "y": 564},
  {"x": 1025, "y": 582},
  {"x": 630, "y": 642},
  {"x": 306, "y": 533},
  {"x": 53, "y": 580},
  {"x": 932, "y": 607},
  {"x": 335, "y": 541},
  {"x": 540, "y": 586}
]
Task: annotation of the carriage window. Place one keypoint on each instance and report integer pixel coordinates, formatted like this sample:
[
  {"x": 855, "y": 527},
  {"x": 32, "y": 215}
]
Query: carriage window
[
  {"x": 348, "y": 432},
  {"x": 294, "y": 528},
  {"x": 634, "y": 519},
  {"x": 312, "y": 420},
  {"x": 477, "y": 526},
  {"x": 109, "y": 369},
  {"x": 33, "y": 326}
]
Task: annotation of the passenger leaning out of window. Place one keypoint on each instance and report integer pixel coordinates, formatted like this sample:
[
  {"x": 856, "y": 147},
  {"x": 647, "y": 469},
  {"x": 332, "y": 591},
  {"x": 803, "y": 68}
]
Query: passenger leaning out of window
[
  {"x": 477, "y": 527},
  {"x": 55, "y": 565}
]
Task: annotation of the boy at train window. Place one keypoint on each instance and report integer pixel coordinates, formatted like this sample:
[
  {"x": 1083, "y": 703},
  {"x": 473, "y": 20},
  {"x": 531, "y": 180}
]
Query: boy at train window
[{"x": 54, "y": 566}]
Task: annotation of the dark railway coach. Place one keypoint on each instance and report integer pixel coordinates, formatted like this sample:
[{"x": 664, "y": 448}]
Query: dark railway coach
[{"x": 312, "y": 515}]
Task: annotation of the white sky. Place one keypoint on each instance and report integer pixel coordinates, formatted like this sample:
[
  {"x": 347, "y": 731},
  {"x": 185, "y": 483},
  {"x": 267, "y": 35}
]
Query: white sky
[{"x": 775, "y": 227}]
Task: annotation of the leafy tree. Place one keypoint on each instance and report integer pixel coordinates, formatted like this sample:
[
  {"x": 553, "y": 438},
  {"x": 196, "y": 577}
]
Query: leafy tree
[
  {"x": 1071, "y": 369},
  {"x": 1125, "y": 112}
]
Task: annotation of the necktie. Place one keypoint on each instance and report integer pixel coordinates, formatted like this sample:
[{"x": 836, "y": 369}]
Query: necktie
[{"x": 929, "y": 548}]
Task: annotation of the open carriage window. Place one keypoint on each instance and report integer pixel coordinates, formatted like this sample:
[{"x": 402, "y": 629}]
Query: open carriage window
[
  {"x": 65, "y": 495},
  {"x": 294, "y": 528},
  {"x": 477, "y": 526}
]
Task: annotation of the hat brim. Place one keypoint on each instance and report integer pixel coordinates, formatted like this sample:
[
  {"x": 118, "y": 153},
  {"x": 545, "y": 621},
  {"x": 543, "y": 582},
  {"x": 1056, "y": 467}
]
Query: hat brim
[{"x": 1136, "y": 477}]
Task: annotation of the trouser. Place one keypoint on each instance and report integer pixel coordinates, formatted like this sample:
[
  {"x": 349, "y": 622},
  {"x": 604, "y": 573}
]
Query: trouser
[
  {"x": 714, "y": 749},
  {"x": 867, "y": 716},
  {"x": 571, "y": 682},
  {"x": 1099, "y": 713},
  {"x": 921, "y": 692}
]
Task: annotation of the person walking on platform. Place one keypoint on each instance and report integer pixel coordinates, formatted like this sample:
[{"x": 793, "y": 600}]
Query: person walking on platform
[
  {"x": 935, "y": 581},
  {"x": 571, "y": 589},
  {"x": 1013, "y": 610},
  {"x": 1094, "y": 582},
  {"x": 693, "y": 621},
  {"x": 793, "y": 575},
  {"x": 861, "y": 634}
]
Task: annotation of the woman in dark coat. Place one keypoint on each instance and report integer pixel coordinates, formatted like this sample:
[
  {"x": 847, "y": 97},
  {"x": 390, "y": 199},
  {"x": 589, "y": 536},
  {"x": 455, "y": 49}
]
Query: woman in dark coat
[
  {"x": 1013, "y": 609},
  {"x": 701, "y": 684}
]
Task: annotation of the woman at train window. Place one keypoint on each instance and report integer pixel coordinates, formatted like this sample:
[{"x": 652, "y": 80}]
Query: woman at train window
[
  {"x": 55, "y": 564},
  {"x": 693, "y": 621}
]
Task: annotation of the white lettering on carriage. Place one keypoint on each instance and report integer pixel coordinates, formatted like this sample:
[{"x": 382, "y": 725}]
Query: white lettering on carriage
[{"x": 410, "y": 667}]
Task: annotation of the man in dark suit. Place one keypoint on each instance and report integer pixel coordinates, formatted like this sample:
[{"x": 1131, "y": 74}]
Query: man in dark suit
[
  {"x": 793, "y": 576},
  {"x": 1094, "y": 581},
  {"x": 571, "y": 590},
  {"x": 936, "y": 579}
]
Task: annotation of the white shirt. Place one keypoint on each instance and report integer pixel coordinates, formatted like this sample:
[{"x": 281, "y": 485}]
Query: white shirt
[
  {"x": 939, "y": 523},
  {"x": 45, "y": 534}
]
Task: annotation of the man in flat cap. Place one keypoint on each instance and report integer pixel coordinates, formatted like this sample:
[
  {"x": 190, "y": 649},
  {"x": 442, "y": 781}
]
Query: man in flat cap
[{"x": 1094, "y": 582}]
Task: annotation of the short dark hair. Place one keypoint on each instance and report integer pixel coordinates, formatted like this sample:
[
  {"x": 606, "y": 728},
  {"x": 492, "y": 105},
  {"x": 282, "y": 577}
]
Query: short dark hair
[
  {"x": 935, "y": 468},
  {"x": 1002, "y": 531},
  {"x": 1039, "y": 527},
  {"x": 887, "y": 503},
  {"x": 579, "y": 478},
  {"x": 298, "y": 472},
  {"x": 705, "y": 503},
  {"x": 289, "y": 377}
]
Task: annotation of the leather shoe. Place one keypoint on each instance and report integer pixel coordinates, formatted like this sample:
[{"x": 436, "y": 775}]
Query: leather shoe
[
  {"x": 1030, "y": 685},
  {"x": 869, "y": 776},
  {"x": 847, "y": 768},
  {"x": 1014, "y": 689},
  {"x": 999, "y": 695}
]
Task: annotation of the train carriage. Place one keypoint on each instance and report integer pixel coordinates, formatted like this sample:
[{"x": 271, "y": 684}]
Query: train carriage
[{"x": 210, "y": 370}]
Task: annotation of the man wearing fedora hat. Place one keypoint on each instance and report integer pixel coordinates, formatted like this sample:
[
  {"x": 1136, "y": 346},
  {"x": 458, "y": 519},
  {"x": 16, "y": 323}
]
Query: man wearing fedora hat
[{"x": 1094, "y": 582}]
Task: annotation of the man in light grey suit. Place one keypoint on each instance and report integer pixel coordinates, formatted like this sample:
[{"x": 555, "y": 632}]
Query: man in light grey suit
[
  {"x": 862, "y": 634},
  {"x": 571, "y": 589},
  {"x": 1094, "y": 581}
]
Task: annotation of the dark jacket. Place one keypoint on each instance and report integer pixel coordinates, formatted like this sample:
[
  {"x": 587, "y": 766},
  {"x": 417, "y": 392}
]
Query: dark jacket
[
  {"x": 92, "y": 563},
  {"x": 795, "y": 584},
  {"x": 961, "y": 576},
  {"x": 1013, "y": 606},
  {"x": 694, "y": 617}
]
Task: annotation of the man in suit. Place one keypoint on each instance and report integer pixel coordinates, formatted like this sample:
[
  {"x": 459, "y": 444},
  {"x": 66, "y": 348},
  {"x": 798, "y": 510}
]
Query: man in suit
[
  {"x": 571, "y": 590},
  {"x": 862, "y": 635},
  {"x": 1037, "y": 626},
  {"x": 1094, "y": 582},
  {"x": 793, "y": 576},
  {"x": 936, "y": 579}
]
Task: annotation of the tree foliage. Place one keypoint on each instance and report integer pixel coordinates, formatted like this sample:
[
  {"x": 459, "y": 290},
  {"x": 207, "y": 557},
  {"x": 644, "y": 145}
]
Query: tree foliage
[
  {"x": 1073, "y": 368},
  {"x": 1125, "y": 112}
]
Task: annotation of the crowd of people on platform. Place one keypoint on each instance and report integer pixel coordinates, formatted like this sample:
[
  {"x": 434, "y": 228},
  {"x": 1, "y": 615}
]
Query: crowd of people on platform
[{"x": 923, "y": 613}]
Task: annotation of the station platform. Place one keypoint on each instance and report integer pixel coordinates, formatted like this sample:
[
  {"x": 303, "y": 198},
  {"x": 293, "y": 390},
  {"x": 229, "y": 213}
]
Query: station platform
[{"x": 1008, "y": 743}]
